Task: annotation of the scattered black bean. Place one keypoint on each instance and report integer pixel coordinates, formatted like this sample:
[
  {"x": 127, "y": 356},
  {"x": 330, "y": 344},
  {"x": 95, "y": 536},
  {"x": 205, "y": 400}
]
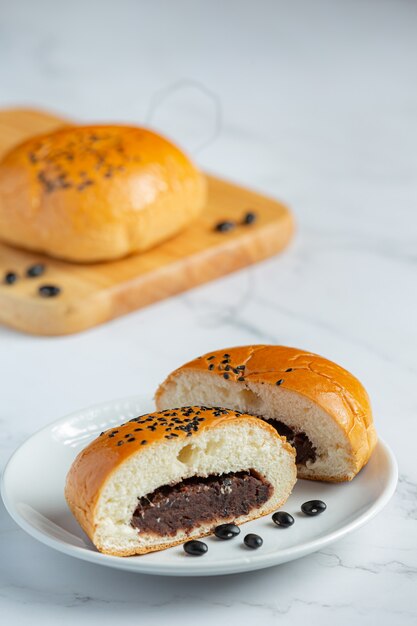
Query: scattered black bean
[
  {"x": 253, "y": 541},
  {"x": 313, "y": 507},
  {"x": 195, "y": 548},
  {"x": 35, "y": 270},
  {"x": 10, "y": 278},
  {"x": 224, "y": 227},
  {"x": 227, "y": 531},
  {"x": 49, "y": 291},
  {"x": 250, "y": 218},
  {"x": 283, "y": 519}
]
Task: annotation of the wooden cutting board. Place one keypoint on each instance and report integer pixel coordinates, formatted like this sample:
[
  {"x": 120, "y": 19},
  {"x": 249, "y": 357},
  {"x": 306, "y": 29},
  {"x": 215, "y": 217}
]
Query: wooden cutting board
[{"x": 95, "y": 293}]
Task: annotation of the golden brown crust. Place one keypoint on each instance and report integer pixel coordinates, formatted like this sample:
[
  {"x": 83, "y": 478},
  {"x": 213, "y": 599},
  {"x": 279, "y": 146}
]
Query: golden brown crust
[
  {"x": 327, "y": 384},
  {"x": 95, "y": 463},
  {"x": 92, "y": 193}
]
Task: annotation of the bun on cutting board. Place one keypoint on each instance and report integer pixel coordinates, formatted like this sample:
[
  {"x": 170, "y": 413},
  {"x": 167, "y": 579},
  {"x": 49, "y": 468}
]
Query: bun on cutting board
[
  {"x": 167, "y": 477},
  {"x": 96, "y": 193},
  {"x": 322, "y": 409}
]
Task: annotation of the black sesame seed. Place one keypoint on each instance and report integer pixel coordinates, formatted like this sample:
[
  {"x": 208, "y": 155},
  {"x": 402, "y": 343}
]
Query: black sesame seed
[
  {"x": 224, "y": 227},
  {"x": 131, "y": 439},
  {"x": 313, "y": 507},
  {"x": 10, "y": 278},
  {"x": 226, "y": 376},
  {"x": 195, "y": 548},
  {"x": 138, "y": 429},
  {"x": 289, "y": 369},
  {"x": 49, "y": 291},
  {"x": 227, "y": 368},
  {"x": 210, "y": 358},
  {"x": 120, "y": 443},
  {"x": 226, "y": 355},
  {"x": 226, "y": 531},
  {"x": 253, "y": 541},
  {"x": 35, "y": 270},
  {"x": 279, "y": 382},
  {"x": 143, "y": 442},
  {"x": 211, "y": 366},
  {"x": 241, "y": 379},
  {"x": 250, "y": 218},
  {"x": 283, "y": 519}
]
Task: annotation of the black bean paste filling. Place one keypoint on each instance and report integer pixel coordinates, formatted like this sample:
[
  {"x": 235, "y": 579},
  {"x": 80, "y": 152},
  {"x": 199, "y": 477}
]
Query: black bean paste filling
[
  {"x": 299, "y": 440},
  {"x": 198, "y": 500}
]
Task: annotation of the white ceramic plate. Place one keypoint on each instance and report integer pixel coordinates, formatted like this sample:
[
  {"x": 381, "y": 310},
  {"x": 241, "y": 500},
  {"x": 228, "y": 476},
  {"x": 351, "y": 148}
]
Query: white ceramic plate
[{"x": 33, "y": 492}]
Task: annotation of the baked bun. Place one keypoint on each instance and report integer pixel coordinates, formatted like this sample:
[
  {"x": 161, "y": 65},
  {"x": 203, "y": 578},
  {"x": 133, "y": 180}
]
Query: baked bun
[
  {"x": 96, "y": 193},
  {"x": 317, "y": 405},
  {"x": 167, "y": 477}
]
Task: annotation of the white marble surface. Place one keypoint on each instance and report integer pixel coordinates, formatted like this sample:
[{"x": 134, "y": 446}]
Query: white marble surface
[{"x": 316, "y": 103}]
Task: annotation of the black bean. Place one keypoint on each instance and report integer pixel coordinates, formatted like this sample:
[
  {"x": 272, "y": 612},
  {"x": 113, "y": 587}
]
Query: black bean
[
  {"x": 10, "y": 278},
  {"x": 49, "y": 291},
  {"x": 195, "y": 548},
  {"x": 253, "y": 541},
  {"x": 250, "y": 218},
  {"x": 283, "y": 519},
  {"x": 313, "y": 507},
  {"x": 226, "y": 531},
  {"x": 224, "y": 227},
  {"x": 35, "y": 270}
]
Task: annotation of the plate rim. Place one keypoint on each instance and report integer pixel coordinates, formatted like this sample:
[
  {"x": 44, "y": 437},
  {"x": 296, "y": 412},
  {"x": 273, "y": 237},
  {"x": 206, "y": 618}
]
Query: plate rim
[{"x": 236, "y": 565}]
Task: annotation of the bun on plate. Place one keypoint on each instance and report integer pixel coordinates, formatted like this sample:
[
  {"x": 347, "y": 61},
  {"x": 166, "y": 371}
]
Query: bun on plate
[
  {"x": 322, "y": 409},
  {"x": 167, "y": 477}
]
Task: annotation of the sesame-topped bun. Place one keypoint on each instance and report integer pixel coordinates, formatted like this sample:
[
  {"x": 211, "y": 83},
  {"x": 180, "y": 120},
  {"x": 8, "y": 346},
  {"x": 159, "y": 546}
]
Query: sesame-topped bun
[
  {"x": 95, "y": 193},
  {"x": 167, "y": 477},
  {"x": 322, "y": 410}
]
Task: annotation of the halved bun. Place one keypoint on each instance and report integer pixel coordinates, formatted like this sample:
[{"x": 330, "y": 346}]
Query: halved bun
[
  {"x": 318, "y": 405},
  {"x": 129, "y": 468},
  {"x": 96, "y": 193}
]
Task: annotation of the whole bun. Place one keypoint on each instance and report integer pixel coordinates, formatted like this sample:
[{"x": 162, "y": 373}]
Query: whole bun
[
  {"x": 96, "y": 193},
  {"x": 321, "y": 408}
]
